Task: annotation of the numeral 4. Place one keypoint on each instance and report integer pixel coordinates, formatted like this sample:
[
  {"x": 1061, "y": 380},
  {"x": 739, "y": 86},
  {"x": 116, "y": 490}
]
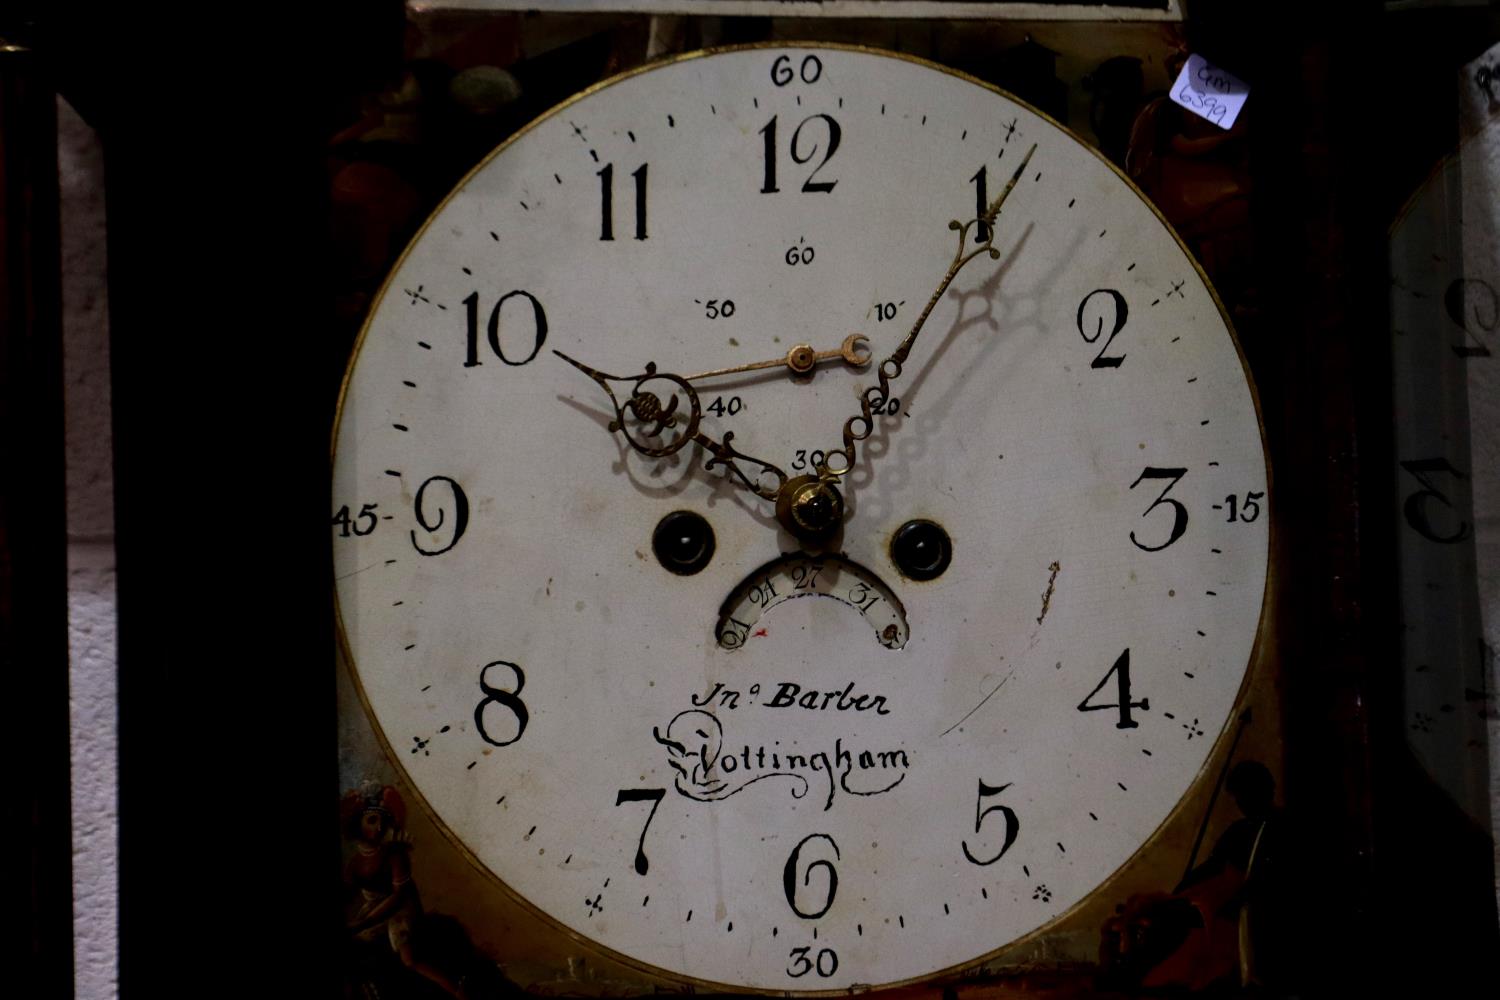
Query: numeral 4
[{"x": 1121, "y": 673}]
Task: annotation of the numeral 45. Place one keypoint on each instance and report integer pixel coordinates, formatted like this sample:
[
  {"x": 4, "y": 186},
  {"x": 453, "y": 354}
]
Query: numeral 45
[{"x": 357, "y": 524}]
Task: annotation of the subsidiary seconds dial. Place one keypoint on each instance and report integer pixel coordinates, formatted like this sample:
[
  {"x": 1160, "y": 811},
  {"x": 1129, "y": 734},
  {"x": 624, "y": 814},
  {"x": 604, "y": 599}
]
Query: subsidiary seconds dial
[{"x": 719, "y": 679}]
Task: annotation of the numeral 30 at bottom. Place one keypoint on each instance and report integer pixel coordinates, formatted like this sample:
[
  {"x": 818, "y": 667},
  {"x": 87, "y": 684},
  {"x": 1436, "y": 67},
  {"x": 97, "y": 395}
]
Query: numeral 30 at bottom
[{"x": 825, "y": 963}]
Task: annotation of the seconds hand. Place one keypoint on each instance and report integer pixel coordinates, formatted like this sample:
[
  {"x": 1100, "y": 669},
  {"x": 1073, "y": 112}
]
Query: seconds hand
[{"x": 800, "y": 359}]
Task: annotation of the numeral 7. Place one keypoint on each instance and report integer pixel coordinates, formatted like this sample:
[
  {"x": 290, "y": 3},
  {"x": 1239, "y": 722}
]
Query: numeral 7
[{"x": 654, "y": 796}]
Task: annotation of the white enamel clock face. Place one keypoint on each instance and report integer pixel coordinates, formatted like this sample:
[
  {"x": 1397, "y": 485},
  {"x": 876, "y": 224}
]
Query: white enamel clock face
[{"x": 703, "y": 773}]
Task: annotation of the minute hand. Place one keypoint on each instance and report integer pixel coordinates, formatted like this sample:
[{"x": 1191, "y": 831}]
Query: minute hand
[{"x": 861, "y": 426}]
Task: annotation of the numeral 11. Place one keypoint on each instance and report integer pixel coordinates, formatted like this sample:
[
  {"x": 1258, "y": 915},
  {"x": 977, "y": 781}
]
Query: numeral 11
[{"x": 607, "y": 201}]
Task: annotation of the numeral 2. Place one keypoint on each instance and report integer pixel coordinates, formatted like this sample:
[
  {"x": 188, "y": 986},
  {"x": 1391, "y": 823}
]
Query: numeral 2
[{"x": 1119, "y": 310}]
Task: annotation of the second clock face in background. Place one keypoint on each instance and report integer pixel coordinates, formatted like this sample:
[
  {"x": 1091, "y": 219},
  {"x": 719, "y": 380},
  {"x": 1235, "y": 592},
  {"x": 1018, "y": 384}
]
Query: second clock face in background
[
  {"x": 788, "y": 771},
  {"x": 1445, "y": 310}
]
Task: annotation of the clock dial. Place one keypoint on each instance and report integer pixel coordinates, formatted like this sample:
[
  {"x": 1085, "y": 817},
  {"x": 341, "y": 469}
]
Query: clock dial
[
  {"x": 740, "y": 762},
  {"x": 1445, "y": 309}
]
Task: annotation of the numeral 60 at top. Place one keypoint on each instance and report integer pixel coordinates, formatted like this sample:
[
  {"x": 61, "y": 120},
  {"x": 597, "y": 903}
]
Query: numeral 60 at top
[{"x": 810, "y": 70}]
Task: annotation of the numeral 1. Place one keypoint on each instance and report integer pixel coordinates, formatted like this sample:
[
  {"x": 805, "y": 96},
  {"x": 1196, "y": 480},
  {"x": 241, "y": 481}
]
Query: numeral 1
[{"x": 981, "y": 203}]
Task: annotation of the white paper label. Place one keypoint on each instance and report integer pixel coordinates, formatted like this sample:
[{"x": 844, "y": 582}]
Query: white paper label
[{"x": 1210, "y": 92}]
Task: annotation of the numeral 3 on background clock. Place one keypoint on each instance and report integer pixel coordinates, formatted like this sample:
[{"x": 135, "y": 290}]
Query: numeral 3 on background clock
[{"x": 1417, "y": 508}]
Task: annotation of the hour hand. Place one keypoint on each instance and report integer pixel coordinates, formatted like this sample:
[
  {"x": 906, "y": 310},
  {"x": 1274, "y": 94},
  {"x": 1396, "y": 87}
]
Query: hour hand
[{"x": 644, "y": 417}]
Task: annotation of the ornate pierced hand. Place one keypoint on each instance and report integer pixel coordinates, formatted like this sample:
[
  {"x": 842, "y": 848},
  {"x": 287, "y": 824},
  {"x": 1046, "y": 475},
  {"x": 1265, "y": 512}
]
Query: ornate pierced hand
[
  {"x": 861, "y": 426},
  {"x": 644, "y": 418}
]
